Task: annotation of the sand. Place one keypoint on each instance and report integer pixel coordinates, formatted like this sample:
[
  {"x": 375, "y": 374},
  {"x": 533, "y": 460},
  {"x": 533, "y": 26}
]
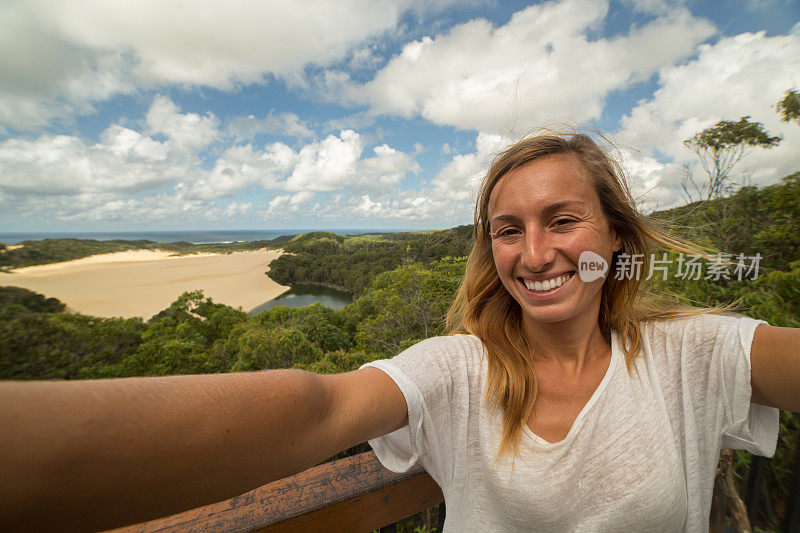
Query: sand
[{"x": 143, "y": 282}]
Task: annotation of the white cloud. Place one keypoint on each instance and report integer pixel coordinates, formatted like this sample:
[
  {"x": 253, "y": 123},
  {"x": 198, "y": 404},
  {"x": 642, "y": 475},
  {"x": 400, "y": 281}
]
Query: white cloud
[
  {"x": 328, "y": 164},
  {"x": 235, "y": 210},
  {"x": 384, "y": 170},
  {"x": 288, "y": 203},
  {"x": 738, "y": 76},
  {"x": 169, "y": 171},
  {"x": 460, "y": 178},
  {"x": 364, "y": 58},
  {"x": 274, "y": 123},
  {"x": 216, "y": 44},
  {"x": 240, "y": 167},
  {"x": 59, "y": 57},
  {"x": 654, "y": 185},
  {"x": 46, "y": 76},
  {"x": 124, "y": 161},
  {"x": 188, "y": 131},
  {"x": 446, "y": 199},
  {"x": 540, "y": 67},
  {"x": 402, "y": 207}
]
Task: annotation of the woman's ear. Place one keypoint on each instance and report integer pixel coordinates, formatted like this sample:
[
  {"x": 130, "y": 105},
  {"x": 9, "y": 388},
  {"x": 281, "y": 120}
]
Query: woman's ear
[{"x": 616, "y": 240}]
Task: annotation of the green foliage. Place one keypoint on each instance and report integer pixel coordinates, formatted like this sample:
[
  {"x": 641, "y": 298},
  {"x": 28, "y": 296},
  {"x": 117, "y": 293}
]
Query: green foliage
[
  {"x": 789, "y": 106},
  {"x": 29, "y": 300},
  {"x": 317, "y": 242},
  {"x": 57, "y": 250},
  {"x": 279, "y": 347},
  {"x": 723, "y": 145},
  {"x": 726, "y": 134},
  {"x": 178, "y": 339},
  {"x": 350, "y": 262},
  {"x": 43, "y": 345},
  {"x": 406, "y": 305},
  {"x": 765, "y": 221}
]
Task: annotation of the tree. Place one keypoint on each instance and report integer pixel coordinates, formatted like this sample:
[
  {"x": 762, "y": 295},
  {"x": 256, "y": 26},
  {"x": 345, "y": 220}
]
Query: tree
[
  {"x": 30, "y": 300},
  {"x": 406, "y": 305},
  {"x": 720, "y": 147},
  {"x": 789, "y": 107}
]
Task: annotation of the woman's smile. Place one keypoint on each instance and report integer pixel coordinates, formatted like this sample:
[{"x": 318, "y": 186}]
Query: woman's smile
[{"x": 550, "y": 286}]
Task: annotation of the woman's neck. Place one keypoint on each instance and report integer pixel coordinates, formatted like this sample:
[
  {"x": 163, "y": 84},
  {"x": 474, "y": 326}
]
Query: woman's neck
[{"x": 572, "y": 344}]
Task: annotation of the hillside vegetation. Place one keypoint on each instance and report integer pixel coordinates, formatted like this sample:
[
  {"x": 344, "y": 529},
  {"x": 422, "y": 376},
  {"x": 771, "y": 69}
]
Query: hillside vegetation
[
  {"x": 350, "y": 262},
  {"x": 47, "y": 251}
]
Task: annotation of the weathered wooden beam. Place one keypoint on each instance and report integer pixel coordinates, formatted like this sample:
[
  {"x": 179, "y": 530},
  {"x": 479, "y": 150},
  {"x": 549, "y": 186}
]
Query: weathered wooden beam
[{"x": 354, "y": 494}]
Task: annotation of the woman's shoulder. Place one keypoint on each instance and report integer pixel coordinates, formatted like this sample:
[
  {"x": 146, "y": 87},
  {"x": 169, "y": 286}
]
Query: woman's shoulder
[
  {"x": 701, "y": 332},
  {"x": 702, "y": 322},
  {"x": 459, "y": 343},
  {"x": 443, "y": 354}
]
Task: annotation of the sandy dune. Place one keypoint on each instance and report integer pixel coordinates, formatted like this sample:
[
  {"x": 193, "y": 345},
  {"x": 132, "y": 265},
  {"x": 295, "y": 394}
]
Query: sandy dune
[{"x": 143, "y": 282}]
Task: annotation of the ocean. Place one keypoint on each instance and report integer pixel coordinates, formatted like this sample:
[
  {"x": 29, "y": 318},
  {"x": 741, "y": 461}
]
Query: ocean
[{"x": 194, "y": 237}]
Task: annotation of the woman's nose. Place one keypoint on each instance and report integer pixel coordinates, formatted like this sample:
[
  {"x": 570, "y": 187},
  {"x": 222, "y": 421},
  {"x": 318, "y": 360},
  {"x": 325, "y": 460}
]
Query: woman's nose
[{"x": 538, "y": 253}]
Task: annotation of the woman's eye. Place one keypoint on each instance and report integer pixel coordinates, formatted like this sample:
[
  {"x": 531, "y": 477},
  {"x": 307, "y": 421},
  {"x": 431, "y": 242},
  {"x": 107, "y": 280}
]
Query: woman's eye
[{"x": 507, "y": 232}]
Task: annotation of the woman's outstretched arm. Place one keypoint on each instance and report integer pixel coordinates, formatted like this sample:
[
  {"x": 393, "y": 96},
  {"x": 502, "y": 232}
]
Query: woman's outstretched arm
[
  {"x": 775, "y": 363},
  {"x": 102, "y": 453}
]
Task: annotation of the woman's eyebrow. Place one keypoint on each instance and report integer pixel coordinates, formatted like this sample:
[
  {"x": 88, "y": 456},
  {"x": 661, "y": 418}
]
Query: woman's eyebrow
[
  {"x": 503, "y": 218},
  {"x": 552, "y": 208},
  {"x": 547, "y": 211}
]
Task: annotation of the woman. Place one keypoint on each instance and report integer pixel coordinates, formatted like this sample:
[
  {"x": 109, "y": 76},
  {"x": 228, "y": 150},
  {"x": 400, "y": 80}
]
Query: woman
[
  {"x": 610, "y": 408},
  {"x": 569, "y": 404}
]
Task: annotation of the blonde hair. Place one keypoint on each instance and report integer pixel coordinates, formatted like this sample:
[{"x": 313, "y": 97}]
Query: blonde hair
[{"x": 485, "y": 309}]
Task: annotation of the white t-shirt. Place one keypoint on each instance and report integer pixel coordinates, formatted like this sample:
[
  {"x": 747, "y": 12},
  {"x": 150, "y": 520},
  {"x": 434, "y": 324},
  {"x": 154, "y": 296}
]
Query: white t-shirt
[{"x": 640, "y": 456}]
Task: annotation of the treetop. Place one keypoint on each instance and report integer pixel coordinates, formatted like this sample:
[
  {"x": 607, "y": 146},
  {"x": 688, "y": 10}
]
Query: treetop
[
  {"x": 726, "y": 134},
  {"x": 789, "y": 107}
]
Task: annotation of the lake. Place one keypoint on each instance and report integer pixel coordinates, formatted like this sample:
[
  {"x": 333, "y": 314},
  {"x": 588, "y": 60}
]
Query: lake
[{"x": 301, "y": 295}]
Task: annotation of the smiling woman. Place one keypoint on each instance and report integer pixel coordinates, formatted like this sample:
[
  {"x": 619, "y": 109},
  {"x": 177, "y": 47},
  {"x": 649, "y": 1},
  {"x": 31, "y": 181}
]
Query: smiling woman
[
  {"x": 559, "y": 403},
  {"x": 577, "y": 388}
]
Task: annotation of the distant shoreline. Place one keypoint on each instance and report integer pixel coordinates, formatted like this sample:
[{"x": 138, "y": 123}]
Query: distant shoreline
[
  {"x": 144, "y": 282},
  {"x": 198, "y": 237}
]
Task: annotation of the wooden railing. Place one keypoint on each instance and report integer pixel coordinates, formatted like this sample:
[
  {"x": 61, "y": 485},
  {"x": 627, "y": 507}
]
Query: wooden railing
[
  {"x": 352, "y": 494},
  {"x": 358, "y": 494}
]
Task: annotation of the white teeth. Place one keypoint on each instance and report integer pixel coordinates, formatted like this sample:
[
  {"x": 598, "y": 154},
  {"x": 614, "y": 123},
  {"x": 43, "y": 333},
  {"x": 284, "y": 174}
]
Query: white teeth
[{"x": 542, "y": 286}]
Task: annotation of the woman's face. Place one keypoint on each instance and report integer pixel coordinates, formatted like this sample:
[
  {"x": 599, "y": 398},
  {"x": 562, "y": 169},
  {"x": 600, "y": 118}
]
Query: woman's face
[{"x": 542, "y": 216}]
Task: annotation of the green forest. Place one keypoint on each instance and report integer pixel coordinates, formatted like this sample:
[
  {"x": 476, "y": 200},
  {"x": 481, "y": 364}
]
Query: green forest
[{"x": 403, "y": 284}]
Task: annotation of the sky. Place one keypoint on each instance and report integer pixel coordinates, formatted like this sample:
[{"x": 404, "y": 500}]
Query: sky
[{"x": 381, "y": 114}]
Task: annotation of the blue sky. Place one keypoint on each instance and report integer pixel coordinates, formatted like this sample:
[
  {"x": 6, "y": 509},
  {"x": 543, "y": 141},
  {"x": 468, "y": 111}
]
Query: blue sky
[{"x": 353, "y": 114}]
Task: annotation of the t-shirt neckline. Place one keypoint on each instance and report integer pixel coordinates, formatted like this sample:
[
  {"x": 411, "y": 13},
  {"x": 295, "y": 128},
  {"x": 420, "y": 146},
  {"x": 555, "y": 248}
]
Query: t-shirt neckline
[{"x": 598, "y": 392}]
